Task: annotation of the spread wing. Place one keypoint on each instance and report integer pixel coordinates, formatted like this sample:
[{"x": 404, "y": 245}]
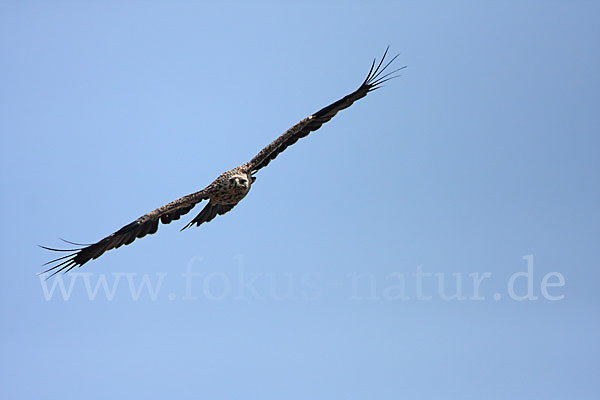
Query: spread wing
[
  {"x": 145, "y": 225},
  {"x": 374, "y": 79}
]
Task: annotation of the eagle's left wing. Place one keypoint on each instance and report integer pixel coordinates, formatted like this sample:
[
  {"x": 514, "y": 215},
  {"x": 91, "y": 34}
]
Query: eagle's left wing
[
  {"x": 147, "y": 224},
  {"x": 374, "y": 79}
]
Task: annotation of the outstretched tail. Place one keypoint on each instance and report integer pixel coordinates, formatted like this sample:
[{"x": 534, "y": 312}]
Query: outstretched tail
[{"x": 208, "y": 213}]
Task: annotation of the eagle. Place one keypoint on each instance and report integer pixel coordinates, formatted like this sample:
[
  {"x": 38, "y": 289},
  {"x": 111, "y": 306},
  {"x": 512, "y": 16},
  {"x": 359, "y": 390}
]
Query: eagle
[{"x": 227, "y": 190}]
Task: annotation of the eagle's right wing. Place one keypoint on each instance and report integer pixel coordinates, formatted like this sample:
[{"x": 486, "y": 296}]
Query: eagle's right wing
[
  {"x": 145, "y": 225},
  {"x": 374, "y": 79}
]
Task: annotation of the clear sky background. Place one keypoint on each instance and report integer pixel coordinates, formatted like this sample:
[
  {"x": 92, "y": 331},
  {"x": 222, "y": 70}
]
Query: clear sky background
[{"x": 483, "y": 152}]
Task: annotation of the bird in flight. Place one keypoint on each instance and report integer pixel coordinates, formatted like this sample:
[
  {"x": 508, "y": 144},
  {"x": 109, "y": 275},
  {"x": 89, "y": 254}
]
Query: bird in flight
[{"x": 227, "y": 190}]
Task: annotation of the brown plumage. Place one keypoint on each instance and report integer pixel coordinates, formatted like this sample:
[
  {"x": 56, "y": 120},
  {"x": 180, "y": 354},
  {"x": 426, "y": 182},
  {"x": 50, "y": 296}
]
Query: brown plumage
[{"x": 227, "y": 190}]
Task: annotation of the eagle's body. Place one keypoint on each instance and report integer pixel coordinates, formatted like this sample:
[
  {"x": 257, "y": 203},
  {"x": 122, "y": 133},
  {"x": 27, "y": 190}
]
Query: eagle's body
[
  {"x": 230, "y": 187},
  {"x": 227, "y": 190}
]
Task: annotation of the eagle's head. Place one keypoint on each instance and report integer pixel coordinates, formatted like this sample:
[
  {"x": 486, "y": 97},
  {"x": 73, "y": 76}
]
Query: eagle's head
[{"x": 241, "y": 182}]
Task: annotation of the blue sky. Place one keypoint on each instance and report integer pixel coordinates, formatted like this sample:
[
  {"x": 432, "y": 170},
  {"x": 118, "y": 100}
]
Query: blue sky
[{"x": 479, "y": 164}]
